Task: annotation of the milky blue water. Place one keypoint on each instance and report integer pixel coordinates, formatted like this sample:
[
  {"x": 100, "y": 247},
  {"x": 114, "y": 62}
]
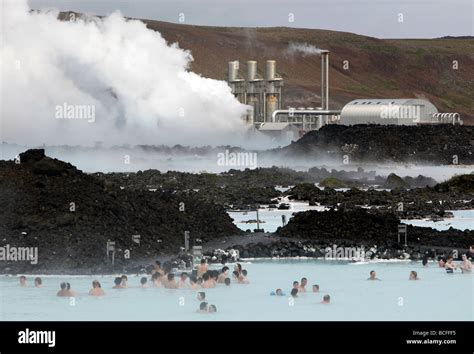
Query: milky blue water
[
  {"x": 271, "y": 218},
  {"x": 462, "y": 220},
  {"x": 436, "y": 296}
]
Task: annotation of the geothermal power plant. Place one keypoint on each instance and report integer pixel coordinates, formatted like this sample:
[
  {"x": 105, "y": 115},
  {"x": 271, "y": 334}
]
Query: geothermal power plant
[{"x": 264, "y": 95}]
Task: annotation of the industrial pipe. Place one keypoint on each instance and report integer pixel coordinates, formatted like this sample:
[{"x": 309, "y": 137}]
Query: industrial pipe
[
  {"x": 304, "y": 111},
  {"x": 325, "y": 79}
]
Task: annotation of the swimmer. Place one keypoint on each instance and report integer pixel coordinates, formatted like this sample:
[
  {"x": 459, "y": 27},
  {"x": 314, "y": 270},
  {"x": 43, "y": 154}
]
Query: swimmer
[
  {"x": 213, "y": 275},
  {"x": 193, "y": 285},
  {"x": 221, "y": 278},
  {"x": 70, "y": 292},
  {"x": 424, "y": 262},
  {"x": 203, "y": 307},
  {"x": 466, "y": 265},
  {"x": 143, "y": 282},
  {"x": 315, "y": 288},
  {"x": 156, "y": 280},
  {"x": 171, "y": 283},
  {"x": 471, "y": 252},
  {"x": 63, "y": 291},
  {"x": 227, "y": 281},
  {"x": 182, "y": 280},
  {"x": 38, "y": 282},
  {"x": 243, "y": 277},
  {"x": 118, "y": 283},
  {"x": 238, "y": 268},
  {"x": 373, "y": 275},
  {"x": 23, "y": 281},
  {"x": 199, "y": 282},
  {"x": 207, "y": 281},
  {"x": 441, "y": 263},
  {"x": 124, "y": 281},
  {"x": 294, "y": 292},
  {"x": 158, "y": 268},
  {"x": 413, "y": 275},
  {"x": 96, "y": 289},
  {"x": 326, "y": 300},
  {"x": 236, "y": 275},
  {"x": 212, "y": 309},
  {"x": 296, "y": 285},
  {"x": 303, "y": 283},
  {"x": 450, "y": 266},
  {"x": 277, "y": 292},
  {"x": 202, "y": 268},
  {"x": 201, "y": 296}
]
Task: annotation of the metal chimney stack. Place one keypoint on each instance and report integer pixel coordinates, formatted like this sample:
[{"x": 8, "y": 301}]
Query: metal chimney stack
[{"x": 325, "y": 80}]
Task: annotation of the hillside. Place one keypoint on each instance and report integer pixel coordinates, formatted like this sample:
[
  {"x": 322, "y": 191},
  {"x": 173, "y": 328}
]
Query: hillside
[{"x": 387, "y": 68}]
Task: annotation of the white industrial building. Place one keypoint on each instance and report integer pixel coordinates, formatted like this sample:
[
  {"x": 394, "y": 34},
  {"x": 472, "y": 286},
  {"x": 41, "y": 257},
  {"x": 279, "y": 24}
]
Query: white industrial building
[
  {"x": 404, "y": 111},
  {"x": 263, "y": 93}
]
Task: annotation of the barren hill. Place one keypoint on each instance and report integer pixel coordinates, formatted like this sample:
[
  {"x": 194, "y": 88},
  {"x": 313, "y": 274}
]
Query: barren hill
[{"x": 392, "y": 68}]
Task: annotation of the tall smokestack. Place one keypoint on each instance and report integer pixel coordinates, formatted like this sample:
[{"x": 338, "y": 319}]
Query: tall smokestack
[{"x": 325, "y": 80}]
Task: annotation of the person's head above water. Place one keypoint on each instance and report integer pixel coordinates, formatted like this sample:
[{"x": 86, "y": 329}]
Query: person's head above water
[
  {"x": 22, "y": 280},
  {"x": 413, "y": 275},
  {"x": 205, "y": 276},
  {"x": 158, "y": 264},
  {"x": 63, "y": 286},
  {"x": 212, "y": 308},
  {"x": 170, "y": 276},
  {"x": 38, "y": 282},
  {"x": 227, "y": 281},
  {"x": 235, "y": 273},
  {"x": 193, "y": 279},
  {"x": 304, "y": 281},
  {"x": 203, "y": 306},
  {"x": 315, "y": 288},
  {"x": 326, "y": 299},
  {"x": 184, "y": 276},
  {"x": 295, "y": 284},
  {"x": 294, "y": 292},
  {"x": 117, "y": 281},
  {"x": 201, "y": 295},
  {"x": 225, "y": 269},
  {"x": 238, "y": 267},
  {"x": 244, "y": 272},
  {"x": 279, "y": 292},
  {"x": 143, "y": 280},
  {"x": 96, "y": 284},
  {"x": 203, "y": 261}
]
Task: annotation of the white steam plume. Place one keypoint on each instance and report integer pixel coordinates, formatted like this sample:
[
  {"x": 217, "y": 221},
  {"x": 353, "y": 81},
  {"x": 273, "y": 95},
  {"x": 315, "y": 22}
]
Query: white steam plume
[
  {"x": 303, "y": 48},
  {"x": 138, "y": 87}
]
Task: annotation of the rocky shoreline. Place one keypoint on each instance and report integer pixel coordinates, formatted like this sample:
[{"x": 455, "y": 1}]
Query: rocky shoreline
[{"x": 69, "y": 217}]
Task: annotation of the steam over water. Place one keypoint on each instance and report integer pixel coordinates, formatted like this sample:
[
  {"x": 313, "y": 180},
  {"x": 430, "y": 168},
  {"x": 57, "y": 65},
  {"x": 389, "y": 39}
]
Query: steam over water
[{"x": 110, "y": 80}]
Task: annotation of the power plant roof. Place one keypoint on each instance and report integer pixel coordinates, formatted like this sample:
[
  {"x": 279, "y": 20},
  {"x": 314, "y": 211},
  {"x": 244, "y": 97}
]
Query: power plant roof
[{"x": 400, "y": 111}]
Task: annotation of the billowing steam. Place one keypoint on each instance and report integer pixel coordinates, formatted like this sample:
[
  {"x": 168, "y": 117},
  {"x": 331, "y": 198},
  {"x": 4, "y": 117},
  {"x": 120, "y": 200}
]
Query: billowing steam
[
  {"x": 110, "y": 80},
  {"x": 303, "y": 49}
]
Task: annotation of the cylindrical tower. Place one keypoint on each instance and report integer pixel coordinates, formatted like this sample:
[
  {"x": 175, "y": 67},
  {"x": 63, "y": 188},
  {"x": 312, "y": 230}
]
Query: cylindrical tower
[
  {"x": 251, "y": 70},
  {"x": 270, "y": 70}
]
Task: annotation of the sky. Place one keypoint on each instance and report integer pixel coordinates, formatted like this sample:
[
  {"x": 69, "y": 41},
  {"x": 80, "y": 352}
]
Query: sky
[{"x": 376, "y": 18}]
